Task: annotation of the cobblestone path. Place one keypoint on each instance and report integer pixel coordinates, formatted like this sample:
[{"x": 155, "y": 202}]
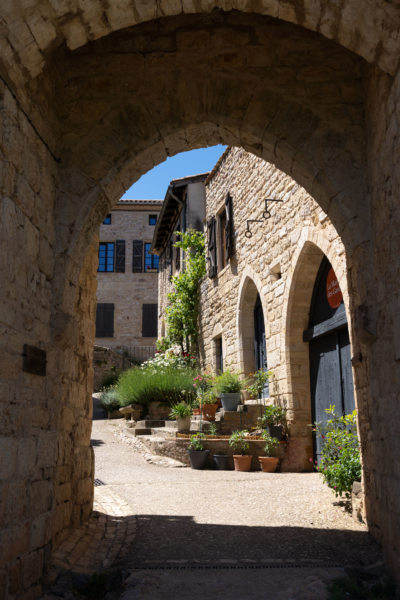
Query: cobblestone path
[{"x": 179, "y": 533}]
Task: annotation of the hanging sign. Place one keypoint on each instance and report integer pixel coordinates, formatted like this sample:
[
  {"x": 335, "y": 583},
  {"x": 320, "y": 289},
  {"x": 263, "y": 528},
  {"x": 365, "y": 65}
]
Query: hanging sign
[{"x": 333, "y": 292}]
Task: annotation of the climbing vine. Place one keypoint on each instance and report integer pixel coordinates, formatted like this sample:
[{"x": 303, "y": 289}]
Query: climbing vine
[{"x": 183, "y": 310}]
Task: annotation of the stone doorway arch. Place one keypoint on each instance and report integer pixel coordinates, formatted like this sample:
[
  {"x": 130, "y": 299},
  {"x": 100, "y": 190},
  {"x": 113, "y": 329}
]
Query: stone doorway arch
[
  {"x": 248, "y": 297},
  {"x": 275, "y": 84}
]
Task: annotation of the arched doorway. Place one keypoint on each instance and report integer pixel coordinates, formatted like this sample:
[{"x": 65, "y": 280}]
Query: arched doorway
[
  {"x": 260, "y": 347},
  {"x": 331, "y": 379},
  {"x": 251, "y": 329}
]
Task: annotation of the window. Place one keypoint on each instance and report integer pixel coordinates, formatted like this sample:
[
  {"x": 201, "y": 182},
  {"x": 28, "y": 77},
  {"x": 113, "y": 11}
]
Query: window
[
  {"x": 149, "y": 320},
  {"x": 150, "y": 260},
  {"x": 222, "y": 240},
  {"x": 225, "y": 233},
  {"x": 219, "y": 358},
  {"x": 107, "y": 220},
  {"x": 106, "y": 257},
  {"x": 152, "y": 219},
  {"x": 105, "y": 320}
]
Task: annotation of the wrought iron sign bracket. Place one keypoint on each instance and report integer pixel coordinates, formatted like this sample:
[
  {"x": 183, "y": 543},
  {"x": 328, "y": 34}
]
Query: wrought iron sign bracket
[
  {"x": 248, "y": 233},
  {"x": 266, "y": 214}
]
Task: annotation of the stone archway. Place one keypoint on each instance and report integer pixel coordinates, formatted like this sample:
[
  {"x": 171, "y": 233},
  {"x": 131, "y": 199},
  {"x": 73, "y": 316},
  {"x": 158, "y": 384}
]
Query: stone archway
[
  {"x": 313, "y": 247},
  {"x": 70, "y": 145}
]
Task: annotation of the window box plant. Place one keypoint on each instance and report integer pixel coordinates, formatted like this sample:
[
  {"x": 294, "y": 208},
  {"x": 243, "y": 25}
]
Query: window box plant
[
  {"x": 181, "y": 412},
  {"x": 274, "y": 420},
  {"x": 238, "y": 441},
  {"x": 228, "y": 386},
  {"x": 268, "y": 463},
  {"x": 197, "y": 453}
]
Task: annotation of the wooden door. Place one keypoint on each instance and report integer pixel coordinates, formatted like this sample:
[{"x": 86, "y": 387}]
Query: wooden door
[{"x": 331, "y": 379}]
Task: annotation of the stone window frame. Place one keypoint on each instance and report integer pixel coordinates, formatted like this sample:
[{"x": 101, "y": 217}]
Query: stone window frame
[{"x": 218, "y": 353}]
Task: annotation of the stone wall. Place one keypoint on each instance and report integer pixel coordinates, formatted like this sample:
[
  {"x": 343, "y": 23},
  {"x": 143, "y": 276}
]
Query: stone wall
[
  {"x": 106, "y": 361},
  {"x": 83, "y": 114},
  {"x": 267, "y": 263},
  {"x": 128, "y": 291}
]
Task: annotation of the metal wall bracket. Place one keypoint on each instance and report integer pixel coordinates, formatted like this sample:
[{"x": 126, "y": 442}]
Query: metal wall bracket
[{"x": 266, "y": 213}]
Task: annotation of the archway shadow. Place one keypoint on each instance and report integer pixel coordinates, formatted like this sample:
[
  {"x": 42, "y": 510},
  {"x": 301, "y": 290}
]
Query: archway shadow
[{"x": 161, "y": 539}]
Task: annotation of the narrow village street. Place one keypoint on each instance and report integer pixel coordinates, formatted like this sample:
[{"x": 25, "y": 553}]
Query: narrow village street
[{"x": 222, "y": 534}]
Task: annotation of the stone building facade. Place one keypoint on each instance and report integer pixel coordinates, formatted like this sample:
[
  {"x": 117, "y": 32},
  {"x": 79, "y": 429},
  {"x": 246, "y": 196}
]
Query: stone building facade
[
  {"x": 255, "y": 304},
  {"x": 126, "y": 313},
  {"x": 183, "y": 208},
  {"x": 92, "y": 96}
]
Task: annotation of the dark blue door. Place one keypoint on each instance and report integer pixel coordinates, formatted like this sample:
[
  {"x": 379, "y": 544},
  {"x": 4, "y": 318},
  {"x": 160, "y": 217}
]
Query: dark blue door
[
  {"x": 260, "y": 348},
  {"x": 331, "y": 378}
]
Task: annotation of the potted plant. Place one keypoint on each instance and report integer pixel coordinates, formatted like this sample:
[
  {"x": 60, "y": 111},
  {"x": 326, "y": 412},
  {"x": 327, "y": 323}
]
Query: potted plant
[
  {"x": 181, "y": 412},
  {"x": 269, "y": 463},
  {"x": 209, "y": 405},
  {"x": 228, "y": 386},
  {"x": 239, "y": 443},
  {"x": 258, "y": 382},
  {"x": 197, "y": 453},
  {"x": 274, "y": 419}
]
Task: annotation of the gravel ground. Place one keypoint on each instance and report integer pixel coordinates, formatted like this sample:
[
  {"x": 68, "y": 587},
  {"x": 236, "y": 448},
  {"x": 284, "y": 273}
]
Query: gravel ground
[{"x": 231, "y": 521}]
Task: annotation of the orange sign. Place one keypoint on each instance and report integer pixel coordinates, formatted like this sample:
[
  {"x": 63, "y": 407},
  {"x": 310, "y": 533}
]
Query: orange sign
[{"x": 333, "y": 292}]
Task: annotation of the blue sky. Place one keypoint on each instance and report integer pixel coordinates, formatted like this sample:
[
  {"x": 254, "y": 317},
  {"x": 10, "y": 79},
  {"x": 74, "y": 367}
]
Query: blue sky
[{"x": 154, "y": 183}]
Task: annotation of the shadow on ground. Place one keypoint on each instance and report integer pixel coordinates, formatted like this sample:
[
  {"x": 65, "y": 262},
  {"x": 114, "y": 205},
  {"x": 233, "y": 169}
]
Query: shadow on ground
[{"x": 160, "y": 539}]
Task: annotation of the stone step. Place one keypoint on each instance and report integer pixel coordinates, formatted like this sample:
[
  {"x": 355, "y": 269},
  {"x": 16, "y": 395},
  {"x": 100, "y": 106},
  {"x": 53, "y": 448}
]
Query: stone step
[
  {"x": 150, "y": 423},
  {"x": 142, "y": 431}
]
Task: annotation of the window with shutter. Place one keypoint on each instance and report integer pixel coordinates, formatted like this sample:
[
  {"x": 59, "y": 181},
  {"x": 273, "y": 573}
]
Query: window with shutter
[
  {"x": 212, "y": 247},
  {"x": 105, "y": 320},
  {"x": 229, "y": 226},
  {"x": 106, "y": 257},
  {"x": 137, "y": 256},
  {"x": 149, "y": 320},
  {"x": 150, "y": 260},
  {"x": 120, "y": 256}
]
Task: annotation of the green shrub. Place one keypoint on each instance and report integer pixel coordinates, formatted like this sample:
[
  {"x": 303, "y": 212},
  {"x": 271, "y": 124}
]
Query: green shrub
[
  {"x": 180, "y": 410},
  {"x": 273, "y": 415},
  {"x": 229, "y": 383},
  {"x": 238, "y": 441},
  {"x": 196, "y": 441},
  {"x": 340, "y": 456},
  {"x": 142, "y": 386},
  {"x": 270, "y": 443},
  {"x": 109, "y": 400}
]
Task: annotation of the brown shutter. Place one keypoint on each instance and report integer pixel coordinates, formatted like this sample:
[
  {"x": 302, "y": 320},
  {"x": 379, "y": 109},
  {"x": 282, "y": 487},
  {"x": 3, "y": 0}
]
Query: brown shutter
[
  {"x": 212, "y": 247},
  {"x": 105, "y": 320},
  {"x": 229, "y": 227},
  {"x": 149, "y": 320},
  {"x": 137, "y": 256},
  {"x": 120, "y": 256}
]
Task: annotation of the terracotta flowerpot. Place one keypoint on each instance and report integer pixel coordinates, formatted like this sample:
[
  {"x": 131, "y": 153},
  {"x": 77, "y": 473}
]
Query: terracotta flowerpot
[
  {"x": 196, "y": 411},
  {"x": 242, "y": 462},
  {"x": 268, "y": 463},
  {"x": 208, "y": 411}
]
